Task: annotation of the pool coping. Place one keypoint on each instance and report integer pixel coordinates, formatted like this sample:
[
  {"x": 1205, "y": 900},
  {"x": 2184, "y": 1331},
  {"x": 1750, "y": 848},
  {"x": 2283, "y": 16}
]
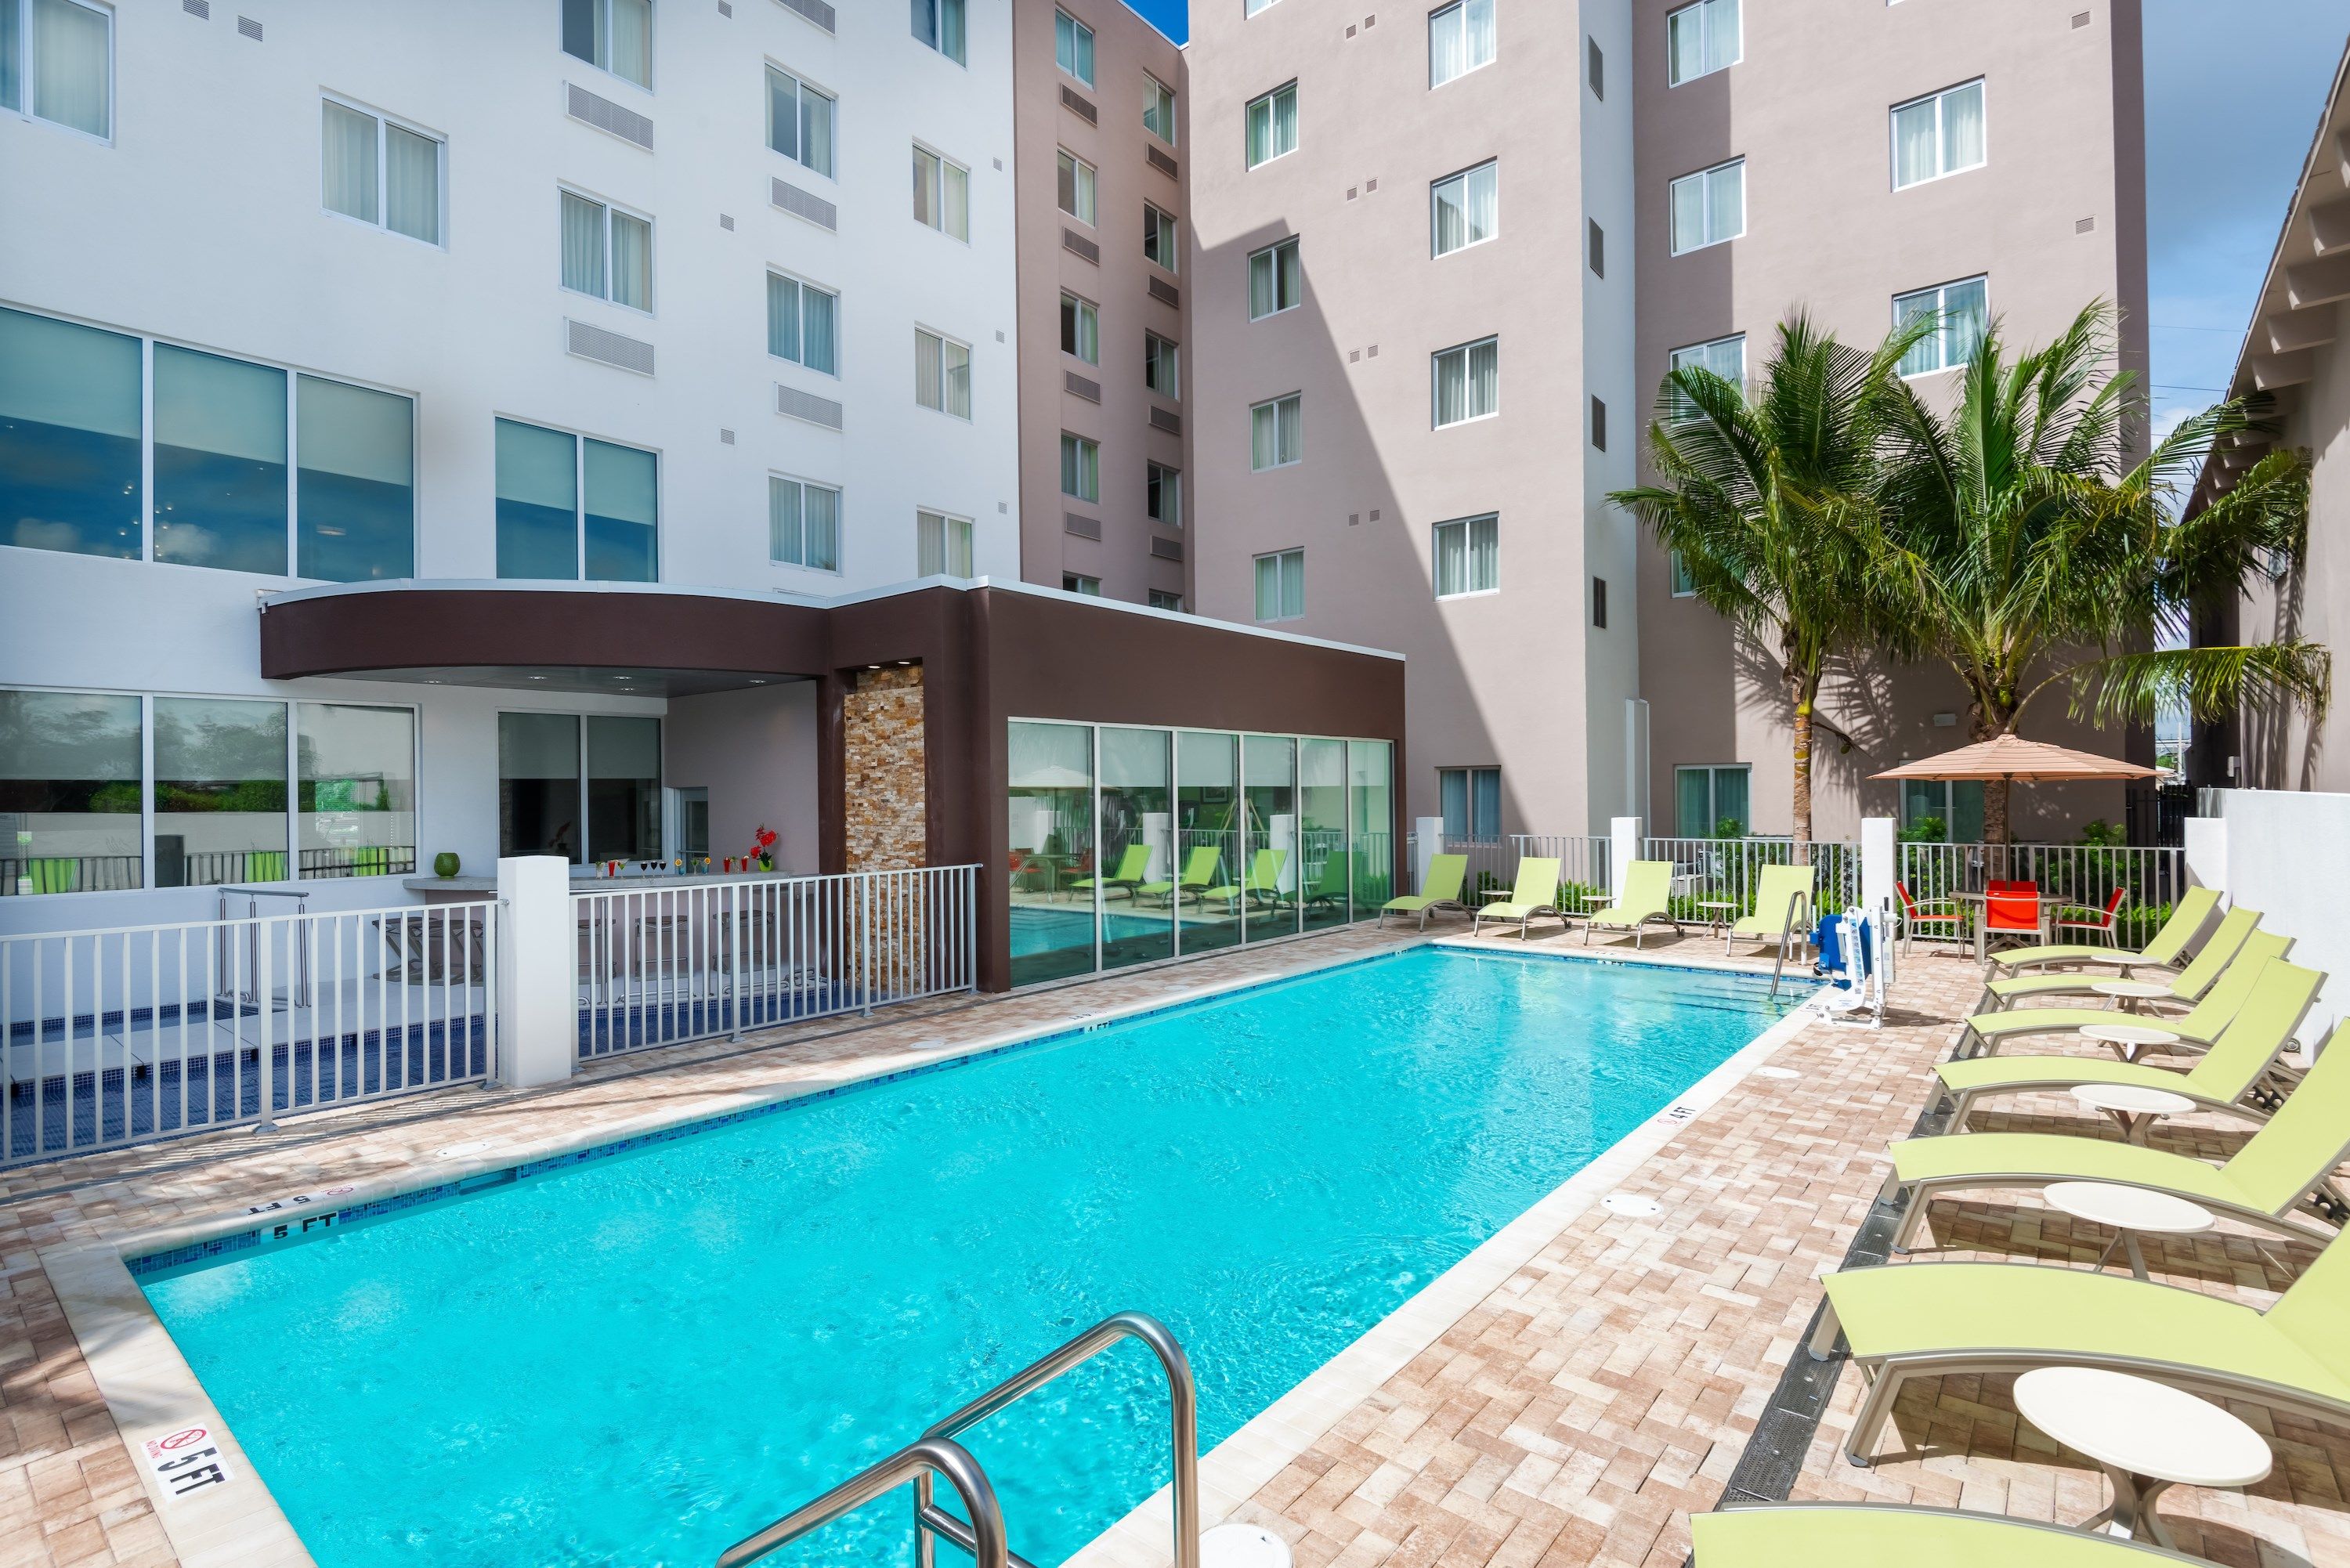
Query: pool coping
[{"x": 155, "y": 1398}]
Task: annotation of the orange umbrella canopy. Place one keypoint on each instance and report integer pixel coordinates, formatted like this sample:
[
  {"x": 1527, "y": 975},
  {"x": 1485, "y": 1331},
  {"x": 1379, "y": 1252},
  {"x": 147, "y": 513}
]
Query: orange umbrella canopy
[{"x": 2013, "y": 757}]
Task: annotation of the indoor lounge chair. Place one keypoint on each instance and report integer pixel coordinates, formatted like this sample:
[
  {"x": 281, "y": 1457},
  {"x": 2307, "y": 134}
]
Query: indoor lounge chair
[
  {"x": 2198, "y": 1027},
  {"x": 1783, "y": 911},
  {"x": 2264, "y": 1183},
  {"x": 2187, "y": 917},
  {"x": 2187, "y": 986},
  {"x": 1445, "y": 875},
  {"x": 1133, "y": 867},
  {"x": 1645, "y": 895},
  {"x": 1199, "y": 872},
  {"x": 1536, "y": 893},
  {"x": 1872, "y": 1534}
]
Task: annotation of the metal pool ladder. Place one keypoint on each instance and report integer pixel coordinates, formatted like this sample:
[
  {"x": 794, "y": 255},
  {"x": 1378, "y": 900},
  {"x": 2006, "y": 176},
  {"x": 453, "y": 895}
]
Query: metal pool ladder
[{"x": 936, "y": 1453}]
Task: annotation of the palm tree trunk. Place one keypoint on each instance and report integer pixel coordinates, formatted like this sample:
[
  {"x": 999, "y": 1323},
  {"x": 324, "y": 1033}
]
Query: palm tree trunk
[{"x": 1805, "y": 691}]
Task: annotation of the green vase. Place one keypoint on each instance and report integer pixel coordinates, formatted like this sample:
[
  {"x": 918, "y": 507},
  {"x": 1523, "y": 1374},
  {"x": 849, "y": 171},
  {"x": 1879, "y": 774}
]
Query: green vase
[{"x": 445, "y": 863}]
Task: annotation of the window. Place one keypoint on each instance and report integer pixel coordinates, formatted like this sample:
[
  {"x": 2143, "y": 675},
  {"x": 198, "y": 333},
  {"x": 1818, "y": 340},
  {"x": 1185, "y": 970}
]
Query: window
[
  {"x": 1939, "y": 134},
  {"x": 1711, "y": 803},
  {"x": 1725, "y": 357},
  {"x": 1957, "y": 804},
  {"x": 220, "y": 464},
  {"x": 1595, "y": 68},
  {"x": 355, "y": 790},
  {"x": 1281, "y": 585},
  {"x": 1464, "y": 209},
  {"x": 71, "y": 782},
  {"x": 1160, "y": 359},
  {"x": 1158, "y": 236},
  {"x": 1162, "y": 494},
  {"x": 1076, "y": 188},
  {"x": 1597, "y": 246},
  {"x": 803, "y": 524},
  {"x": 1467, "y": 556},
  {"x": 573, "y": 509},
  {"x": 1071, "y": 583},
  {"x": 803, "y": 324},
  {"x": 939, "y": 23},
  {"x": 1470, "y": 799},
  {"x": 66, "y": 75},
  {"x": 942, "y": 374},
  {"x": 1161, "y": 600},
  {"x": 1080, "y": 467},
  {"x": 1684, "y": 580},
  {"x": 1274, "y": 433},
  {"x": 1080, "y": 330},
  {"x": 1275, "y": 281},
  {"x": 559, "y": 770},
  {"x": 1251, "y": 7},
  {"x": 1460, "y": 39},
  {"x": 1073, "y": 47},
  {"x": 1709, "y": 206},
  {"x": 1273, "y": 125},
  {"x": 941, "y": 545},
  {"x": 1961, "y": 308},
  {"x": 800, "y": 122},
  {"x": 364, "y": 154},
  {"x": 1598, "y": 424},
  {"x": 1599, "y": 603},
  {"x": 1159, "y": 109},
  {"x": 942, "y": 193},
  {"x": 354, "y": 483},
  {"x": 1467, "y": 382},
  {"x": 1701, "y": 39},
  {"x": 607, "y": 252},
  {"x": 615, "y": 35}
]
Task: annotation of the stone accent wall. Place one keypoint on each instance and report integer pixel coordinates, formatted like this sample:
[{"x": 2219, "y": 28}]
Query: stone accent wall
[{"x": 885, "y": 809}]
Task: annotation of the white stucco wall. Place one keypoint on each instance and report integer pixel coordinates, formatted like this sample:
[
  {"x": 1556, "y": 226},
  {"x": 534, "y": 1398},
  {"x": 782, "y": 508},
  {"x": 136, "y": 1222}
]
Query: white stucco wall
[{"x": 2288, "y": 855}]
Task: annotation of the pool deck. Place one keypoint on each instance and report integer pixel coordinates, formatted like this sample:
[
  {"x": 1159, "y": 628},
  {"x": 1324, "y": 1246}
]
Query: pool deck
[{"x": 1570, "y": 1404}]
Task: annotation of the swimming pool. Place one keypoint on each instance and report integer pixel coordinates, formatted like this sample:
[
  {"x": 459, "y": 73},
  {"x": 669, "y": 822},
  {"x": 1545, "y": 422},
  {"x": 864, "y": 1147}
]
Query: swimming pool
[{"x": 639, "y": 1359}]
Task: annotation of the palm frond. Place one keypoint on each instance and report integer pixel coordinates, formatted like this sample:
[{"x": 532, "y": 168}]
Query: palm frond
[{"x": 2207, "y": 682}]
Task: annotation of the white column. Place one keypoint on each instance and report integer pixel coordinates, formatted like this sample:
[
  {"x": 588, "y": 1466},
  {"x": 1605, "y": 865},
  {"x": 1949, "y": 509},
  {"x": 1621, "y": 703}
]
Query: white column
[
  {"x": 1877, "y": 867},
  {"x": 1427, "y": 839},
  {"x": 2207, "y": 854},
  {"x": 538, "y": 1026},
  {"x": 1623, "y": 849}
]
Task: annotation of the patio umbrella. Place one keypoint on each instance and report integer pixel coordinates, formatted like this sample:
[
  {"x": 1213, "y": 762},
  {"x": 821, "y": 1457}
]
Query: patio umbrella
[{"x": 2013, "y": 757}]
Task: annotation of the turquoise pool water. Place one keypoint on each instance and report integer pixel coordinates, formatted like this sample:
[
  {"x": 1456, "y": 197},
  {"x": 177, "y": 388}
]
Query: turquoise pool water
[{"x": 639, "y": 1359}]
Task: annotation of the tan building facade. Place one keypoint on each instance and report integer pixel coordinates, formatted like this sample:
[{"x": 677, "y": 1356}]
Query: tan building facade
[{"x": 1099, "y": 135}]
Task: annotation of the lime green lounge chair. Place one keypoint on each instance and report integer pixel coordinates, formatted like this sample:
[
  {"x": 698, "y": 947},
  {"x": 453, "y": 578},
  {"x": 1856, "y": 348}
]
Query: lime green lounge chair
[
  {"x": 1198, "y": 871},
  {"x": 1133, "y": 867},
  {"x": 1645, "y": 895},
  {"x": 2188, "y": 916},
  {"x": 54, "y": 874},
  {"x": 1873, "y": 1534},
  {"x": 1330, "y": 882},
  {"x": 1535, "y": 894},
  {"x": 1445, "y": 874},
  {"x": 2196, "y": 1028},
  {"x": 1782, "y": 910},
  {"x": 1263, "y": 883},
  {"x": 2186, "y": 987},
  {"x": 1937, "y": 1320},
  {"x": 2284, "y": 1169}
]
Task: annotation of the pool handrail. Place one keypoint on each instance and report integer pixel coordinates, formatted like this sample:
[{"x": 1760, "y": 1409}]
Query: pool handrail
[{"x": 916, "y": 1459}]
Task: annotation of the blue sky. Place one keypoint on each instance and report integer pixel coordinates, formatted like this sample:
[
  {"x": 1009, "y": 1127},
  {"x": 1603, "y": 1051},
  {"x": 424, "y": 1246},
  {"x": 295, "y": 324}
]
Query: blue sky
[{"x": 1173, "y": 17}]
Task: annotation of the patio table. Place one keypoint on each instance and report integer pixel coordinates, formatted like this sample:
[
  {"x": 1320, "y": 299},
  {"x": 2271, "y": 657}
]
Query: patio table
[
  {"x": 2135, "y": 1108},
  {"x": 2129, "y": 1211},
  {"x": 2145, "y": 1435},
  {"x": 2128, "y": 1038},
  {"x": 2124, "y": 993}
]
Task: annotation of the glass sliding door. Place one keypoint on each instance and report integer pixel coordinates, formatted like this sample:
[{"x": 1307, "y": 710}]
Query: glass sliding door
[
  {"x": 1207, "y": 839},
  {"x": 538, "y": 785},
  {"x": 1269, "y": 901},
  {"x": 1322, "y": 833},
  {"x": 1138, "y": 848},
  {"x": 1051, "y": 792},
  {"x": 356, "y": 776},
  {"x": 69, "y": 792},
  {"x": 1371, "y": 818},
  {"x": 220, "y": 792},
  {"x": 624, "y": 798}
]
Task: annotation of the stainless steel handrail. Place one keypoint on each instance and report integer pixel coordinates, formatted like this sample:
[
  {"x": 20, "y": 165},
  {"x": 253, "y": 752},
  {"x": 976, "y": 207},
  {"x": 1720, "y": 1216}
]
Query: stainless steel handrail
[
  {"x": 1786, "y": 928},
  {"x": 915, "y": 1461}
]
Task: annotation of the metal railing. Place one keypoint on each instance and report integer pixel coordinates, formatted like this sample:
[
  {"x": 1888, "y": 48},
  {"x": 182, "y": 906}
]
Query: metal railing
[
  {"x": 1583, "y": 858},
  {"x": 30, "y": 874},
  {"x": 660, "y": 964},
  {"x": 121, "y": 1036},
  {"x": 1729, "y": 870},
  {"x": 2081, "y": 875},
  {"x": 25, "y": 875},
  {"x": 937, "y": 1451}
]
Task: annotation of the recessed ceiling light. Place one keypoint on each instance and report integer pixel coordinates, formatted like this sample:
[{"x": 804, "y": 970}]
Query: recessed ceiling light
[{"x": 758, "y": 683}]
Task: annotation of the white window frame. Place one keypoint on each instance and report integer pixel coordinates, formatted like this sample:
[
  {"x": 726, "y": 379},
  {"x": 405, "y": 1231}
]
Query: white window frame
[
  {"x": 970, "y": 365},
  {"x": 807, "y": 284},
  {"x": 1678, "y": 580},
  {"x": 1079, "y": 583},
  {"x": 652, "y": 247},
  {"x": 1940, "y": 291},
  {"x": 579, "y": 440},
  {"x": 1461, "y": 8},
  {"x": 940, "y": 202},
  {"x": 1156, "y": 221},
  {"x": 24, "y": 110},
  {"x": 1436, "y": 420},
  {"x": 1153, "y": 88},
  {"x": 1286, "y": 563},
  {"x": 805, "y": 85},
  {"x": 839, "y": 523},
  {"x": 1170, "y": 487},
  {"x": 1296, "y": 417},
  {"x": 1087, "y": 453},
  {"x": 1164, "y": 602},
  {"x": 382, "y": 222},
  {"x": 948, "y": 524},
  {"x": 1672, "y": 235},
  {"x": 1085, "y": 188},
  {"x": 1152, "y": 343},
  {"x": 1086, "y": 307},
  {"x": 1085, "y": 47},
  {"x": 1461, "y": 177},
  {"x": 1682, "y": 355},
  {"x": 1706, "y": 8},
  {"x": 1255, "y": 7},
  {"x": 1937, "y": 98},
  {"x": 1468, "y": 777},
  {"x": 1274, "y": 251},
  {"x": 652, "y": 47},
  {"x": 1712, "y": 771},
  {"x": 1466, "y": 527},
  {"x": 1268, "y": 99},
  {"x": 937, "y": 45}
]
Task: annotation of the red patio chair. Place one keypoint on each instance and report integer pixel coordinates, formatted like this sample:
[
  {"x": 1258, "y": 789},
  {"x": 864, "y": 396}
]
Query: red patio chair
[
  {"x": 2106, "y": 922},
  {"x": 1936, "y": 914},
  {"x": 2011, "y": 910}
]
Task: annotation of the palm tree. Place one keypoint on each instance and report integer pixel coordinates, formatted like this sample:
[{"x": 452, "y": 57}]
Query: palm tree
[
  {"x": 2019, "y": 546},
  {"x": 1768, "y": 503}
]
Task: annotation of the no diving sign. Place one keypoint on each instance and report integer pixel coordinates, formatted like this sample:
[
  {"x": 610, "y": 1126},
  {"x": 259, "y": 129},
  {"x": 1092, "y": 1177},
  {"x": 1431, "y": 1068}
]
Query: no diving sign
[{"x": 187, "y": 1462}]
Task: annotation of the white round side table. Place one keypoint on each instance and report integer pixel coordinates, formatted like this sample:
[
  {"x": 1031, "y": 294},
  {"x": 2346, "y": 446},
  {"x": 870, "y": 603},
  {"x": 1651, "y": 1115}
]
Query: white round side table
[
  {"x": 2130, "y": 1211},
  {"x": 2128, "y": 1038},
  {"x": 2122, "y": 992},
  {"x": 2145, "y": 1435},
  {"x": 1242, "y": 1546},
  {"x": 2135, "y": 1108}
]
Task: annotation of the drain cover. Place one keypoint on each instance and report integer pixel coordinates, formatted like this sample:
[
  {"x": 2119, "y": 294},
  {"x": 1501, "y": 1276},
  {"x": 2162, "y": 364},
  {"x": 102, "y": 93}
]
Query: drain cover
[
  {"x": 465, "y": 1150},
  {"x": 1632, "y": 1204},
  {"x": 1242, "y": 1546},
  {"x": 1776, "y": 1072}
]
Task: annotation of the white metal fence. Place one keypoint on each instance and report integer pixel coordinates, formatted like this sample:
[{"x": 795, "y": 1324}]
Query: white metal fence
[
  {"x": 121, "y": 1036},
  {"x": 658, "y": 965},
  {"x": 2087, "y": 874},
  {"x": 1727, "y": 870}
]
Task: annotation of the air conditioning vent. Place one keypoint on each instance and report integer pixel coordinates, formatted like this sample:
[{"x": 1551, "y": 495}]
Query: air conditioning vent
[
  {"x": 606, "y": 116},
  {"x": 1167, "y": 420},
  {"x": 816, "y": 11},
  {"x": 1160, "y": 161},
  {"x": 1083, "y": 527},
  {"x": 1166, "y": 293},
  {"x": 1077, "y": 244},
  {"x": 1079, "y": 106},
  {"x": 246, "y": 27},
  {"x": 805, "y": 205},
  {"x": 1079, "y": 387},
  {"x": 793, "y": 403},
  {"x": 1167, "y": 549},
  {"x": 608, "y": 348},
  {"x": 200, "y": 9}
]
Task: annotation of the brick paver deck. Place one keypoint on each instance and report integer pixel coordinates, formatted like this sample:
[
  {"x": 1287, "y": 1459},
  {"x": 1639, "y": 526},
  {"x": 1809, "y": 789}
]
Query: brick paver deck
[{"x": 1576, "y": 1415}]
